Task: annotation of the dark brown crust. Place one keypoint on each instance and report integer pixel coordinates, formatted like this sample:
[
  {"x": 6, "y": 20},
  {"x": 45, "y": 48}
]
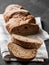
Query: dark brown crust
[
  {"x": 21, "y": 53},
  {"x": 36, "y": 43}
]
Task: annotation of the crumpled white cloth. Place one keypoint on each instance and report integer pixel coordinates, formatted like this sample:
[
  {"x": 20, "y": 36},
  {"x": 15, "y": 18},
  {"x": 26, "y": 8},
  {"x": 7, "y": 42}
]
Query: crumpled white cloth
[{"x": 5, "y": 38}]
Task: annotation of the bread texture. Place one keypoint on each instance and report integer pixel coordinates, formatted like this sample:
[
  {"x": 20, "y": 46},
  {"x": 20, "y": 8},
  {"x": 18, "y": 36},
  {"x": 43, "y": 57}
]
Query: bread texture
[
  {"x": 27, "y": 42},
  {"x": 22, "y": 53}
]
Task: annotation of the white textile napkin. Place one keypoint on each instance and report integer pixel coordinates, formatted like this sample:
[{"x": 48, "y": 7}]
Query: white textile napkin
[{"x": 5, "y": 37}]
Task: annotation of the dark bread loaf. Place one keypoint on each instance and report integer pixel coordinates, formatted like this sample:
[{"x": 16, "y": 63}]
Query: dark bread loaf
[
  {"x": 22, "y": 53},
  {"x": 20, "y": 21},
  {"x": 27, "y": 42},
  {"x": 24, "y": 23}
]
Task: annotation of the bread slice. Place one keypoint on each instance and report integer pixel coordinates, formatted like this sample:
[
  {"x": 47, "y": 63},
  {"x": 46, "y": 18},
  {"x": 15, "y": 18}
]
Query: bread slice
[
  {"x": 21, "y": 53},
  {"x": 22, "y": 27},
  {"x": 27, "y": 42}
]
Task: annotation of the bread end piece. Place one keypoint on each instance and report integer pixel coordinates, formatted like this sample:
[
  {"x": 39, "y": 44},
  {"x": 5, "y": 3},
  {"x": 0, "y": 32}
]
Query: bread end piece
[{"x": 22, "y": 53}]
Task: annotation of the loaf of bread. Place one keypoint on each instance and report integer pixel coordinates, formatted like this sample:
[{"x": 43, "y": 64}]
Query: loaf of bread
[
  {"x": 20, "y": 21},
  {"x": 27, "y": 42},
  {"x": 22, "y": 27},
  {"x": 21, "y": 53}
]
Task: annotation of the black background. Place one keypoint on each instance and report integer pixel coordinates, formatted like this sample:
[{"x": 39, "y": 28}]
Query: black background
[{"x": 36, "y": 8}]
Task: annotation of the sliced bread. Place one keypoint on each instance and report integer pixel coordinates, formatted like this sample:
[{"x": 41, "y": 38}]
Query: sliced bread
[
  {"x": 21, "y": 53},
  {"x": 27, "y": 42}
]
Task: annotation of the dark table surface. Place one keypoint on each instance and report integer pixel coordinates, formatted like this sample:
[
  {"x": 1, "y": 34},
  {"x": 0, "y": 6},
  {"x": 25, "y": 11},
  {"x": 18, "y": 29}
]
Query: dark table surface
[{"x": 36, "y": 8}]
